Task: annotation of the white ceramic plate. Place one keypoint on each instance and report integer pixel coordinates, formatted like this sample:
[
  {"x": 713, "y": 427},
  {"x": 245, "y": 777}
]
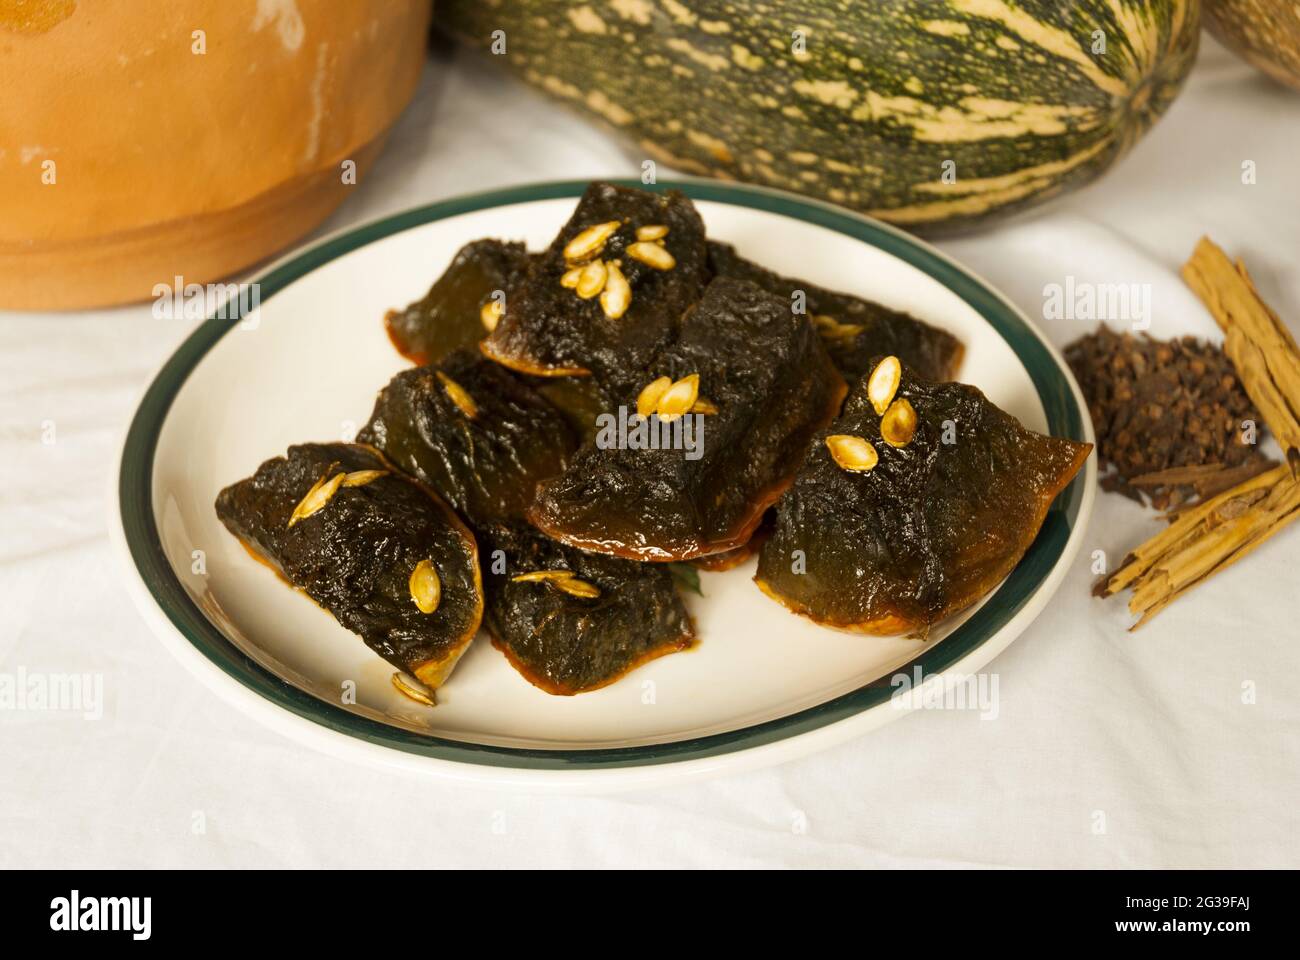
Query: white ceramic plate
[{"x": 762, "y": 686}]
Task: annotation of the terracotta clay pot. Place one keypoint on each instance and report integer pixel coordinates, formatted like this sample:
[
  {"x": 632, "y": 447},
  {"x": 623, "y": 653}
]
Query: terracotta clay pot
[{"x": 143, "y": 141}]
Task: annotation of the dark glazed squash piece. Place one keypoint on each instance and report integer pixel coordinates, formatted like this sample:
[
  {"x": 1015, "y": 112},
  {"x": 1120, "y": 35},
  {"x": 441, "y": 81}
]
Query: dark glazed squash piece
[
  {"x": 385, "y": 556},
  {"x": 854, "y": 330},
  {"x": 472, "y": 431},
  {"x": 889, "y": 529},
  {"x": 566, "y": 638},
  {"x": 767, "y": 385},
  {"x": 450, "y": 315},
  {"x": 456, "y": 312},
  {"x": 564, "y": 641},
  {"x": 612, "y": 323}
]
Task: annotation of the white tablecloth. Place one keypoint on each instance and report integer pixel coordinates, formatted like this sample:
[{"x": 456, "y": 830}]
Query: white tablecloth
[{"x": 1110, "y": 749}]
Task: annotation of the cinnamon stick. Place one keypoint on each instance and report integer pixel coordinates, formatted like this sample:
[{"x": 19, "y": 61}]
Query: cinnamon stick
[
  {"x": 1259, "y": 345},
  {"x": 1215, "y": 483},
  {"x": 1204, "y": 541},
  {"x": 1177, "y": 476},
  {"x": 1186, "y": 529}
]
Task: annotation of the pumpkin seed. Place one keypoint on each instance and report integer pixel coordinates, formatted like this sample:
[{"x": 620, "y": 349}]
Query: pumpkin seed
[
  {"x": 884, "y": 383},
  {"x": 578, "y": 588},
  {"x": 898, "y": 425},
  {"x": 648, "y": 400},
  {"x": 534, "y": 576},
  {"x": 590, "y": 241},
  {"x": 563, "y": 579},
  {"x": 617, "y": 295},
  {"x": 416, "y": 694},
  {"x": 591, "y": 279},
  {"x": 832, "y": 329},
  {"x": 852, "y": 453},
  {"x": 425, "y": 586},
  {"x": 490, "y": 313},
  {"x": 652, "y": 255},
  {"x": 317, "y": 497},
  {"x": 652, "y": 231},
  {"x": 706, "y": 407},
  {"x": 359, "y": 478},
  {"x": 458, "y": 395},
  {"x": 679, "y": 398},
  {"x": 570, "y": 278}
]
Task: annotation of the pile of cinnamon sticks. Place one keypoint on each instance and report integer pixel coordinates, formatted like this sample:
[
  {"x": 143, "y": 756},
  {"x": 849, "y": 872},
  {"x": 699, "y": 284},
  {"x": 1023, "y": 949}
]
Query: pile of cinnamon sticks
[{"x": 1215, "y": 533}]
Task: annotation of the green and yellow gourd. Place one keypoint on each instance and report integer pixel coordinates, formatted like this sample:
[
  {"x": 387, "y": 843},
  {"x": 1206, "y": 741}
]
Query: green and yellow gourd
[{"x": 937, "y": 115}]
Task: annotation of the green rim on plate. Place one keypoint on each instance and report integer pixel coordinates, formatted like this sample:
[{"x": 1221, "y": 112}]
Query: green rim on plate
[{"x": 141, "y": 533}]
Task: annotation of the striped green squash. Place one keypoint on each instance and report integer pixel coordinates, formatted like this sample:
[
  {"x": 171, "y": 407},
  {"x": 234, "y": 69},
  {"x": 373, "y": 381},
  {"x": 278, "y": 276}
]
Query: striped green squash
[{"x": 936, "y": 115}]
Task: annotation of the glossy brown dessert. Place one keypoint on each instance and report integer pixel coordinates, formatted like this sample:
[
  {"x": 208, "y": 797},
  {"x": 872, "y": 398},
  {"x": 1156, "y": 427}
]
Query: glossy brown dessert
[
  {"x": 382, "y": 553},
  {"x": 916, "y": 502},
  {"x": 608, "y": 293},
  {"x": 854, "y": 330},
  {"x": 458, "y": 309},
  {"x": 753, "y": 383},
  {"x": 472, "y": 431}
]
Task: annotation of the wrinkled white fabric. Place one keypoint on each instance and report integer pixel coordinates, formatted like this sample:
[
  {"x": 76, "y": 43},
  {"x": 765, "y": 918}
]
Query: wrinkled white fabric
[{"x": 1110, "y": 749}]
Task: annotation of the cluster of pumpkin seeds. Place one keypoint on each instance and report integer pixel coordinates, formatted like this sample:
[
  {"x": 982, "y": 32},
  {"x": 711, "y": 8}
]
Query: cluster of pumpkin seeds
[
  {"x": 589, "y": 276},
  {"x": 897, "y": 421},
  {"x": 564, "y": 580},
  {"x": 323, "y": 490},
  {"x": 669, "y": 399}
]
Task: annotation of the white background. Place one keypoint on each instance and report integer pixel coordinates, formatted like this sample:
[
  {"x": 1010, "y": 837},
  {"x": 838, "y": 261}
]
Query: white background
[{"x": 1144, "y": 735}]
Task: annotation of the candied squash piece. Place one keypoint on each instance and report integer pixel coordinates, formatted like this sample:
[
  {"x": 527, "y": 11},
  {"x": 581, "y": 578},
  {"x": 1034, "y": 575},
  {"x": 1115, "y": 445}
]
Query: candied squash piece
[
  {"x": 486, "y": 465},
  {"x": 748, "y": 384},
  {"x": 884, "y": 533},
  {"x": 613, "y": 321},
  {"x": 565, "y": 641},
  {"x": 458, "y": 307},
  {"x": 854, "y": 330},
  {"x": 459, "y": 311},
  {"x": 383, "y": 554}
]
